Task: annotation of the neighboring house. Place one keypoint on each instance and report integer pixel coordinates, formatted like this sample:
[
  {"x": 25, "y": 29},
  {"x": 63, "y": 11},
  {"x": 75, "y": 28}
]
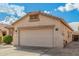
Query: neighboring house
[
  {"x": 42, "y": 30},
  {"x": 5, "y": 31},
  {"x": 75, "y": 36}
]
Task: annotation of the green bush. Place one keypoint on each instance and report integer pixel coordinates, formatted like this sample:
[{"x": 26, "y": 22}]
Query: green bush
[
  {"x": 7, "y": 39},
  {"x": 0, "y": 39}
]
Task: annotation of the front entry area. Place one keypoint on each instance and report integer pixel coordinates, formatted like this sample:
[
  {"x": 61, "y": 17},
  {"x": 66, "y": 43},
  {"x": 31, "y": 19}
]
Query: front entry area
[{"x": 4, "y": 33}]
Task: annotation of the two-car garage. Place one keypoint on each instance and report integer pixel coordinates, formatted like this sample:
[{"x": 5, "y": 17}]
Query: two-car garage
[{"x": 36, "y": 36}]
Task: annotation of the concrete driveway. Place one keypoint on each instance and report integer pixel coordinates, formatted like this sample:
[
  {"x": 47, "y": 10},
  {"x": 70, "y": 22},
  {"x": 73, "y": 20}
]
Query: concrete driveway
[
  {"x": 71, "y": 50},
  {"x": 9, "y": 50}
]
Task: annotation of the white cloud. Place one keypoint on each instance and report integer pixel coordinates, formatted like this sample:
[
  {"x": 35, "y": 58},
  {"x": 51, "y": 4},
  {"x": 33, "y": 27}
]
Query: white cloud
[
  {"x": 45, "y": 11},
  {"x": 61, "y": 8},
  {"x": 68, "y": 7},
  {"x": 9, "y": 20},
  {"x": 12, "y": 10},
  {"x": 18, "y": 10},
  {"x": 74, "y": 25}
]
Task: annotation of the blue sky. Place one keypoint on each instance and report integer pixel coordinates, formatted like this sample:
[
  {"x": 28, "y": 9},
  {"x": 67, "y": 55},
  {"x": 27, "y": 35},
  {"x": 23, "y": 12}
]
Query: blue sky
[{"x": 69, "y": 12}]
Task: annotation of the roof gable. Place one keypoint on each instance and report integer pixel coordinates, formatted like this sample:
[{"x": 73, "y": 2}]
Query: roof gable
[{"x": 48, "y": 15}]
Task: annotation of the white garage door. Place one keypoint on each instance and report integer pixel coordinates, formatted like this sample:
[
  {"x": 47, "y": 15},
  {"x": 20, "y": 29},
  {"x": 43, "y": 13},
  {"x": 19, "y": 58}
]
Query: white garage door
[{"x": 36, "y": 37}]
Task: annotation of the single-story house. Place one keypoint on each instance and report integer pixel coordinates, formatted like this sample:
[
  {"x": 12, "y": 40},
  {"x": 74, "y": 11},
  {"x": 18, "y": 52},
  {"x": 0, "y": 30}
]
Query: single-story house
[{"x": 41, "y": 30}]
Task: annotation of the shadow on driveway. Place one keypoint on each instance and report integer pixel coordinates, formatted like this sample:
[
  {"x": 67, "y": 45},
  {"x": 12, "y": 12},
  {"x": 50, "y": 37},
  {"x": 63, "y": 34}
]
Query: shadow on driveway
[{"x": 39, "y": 50}]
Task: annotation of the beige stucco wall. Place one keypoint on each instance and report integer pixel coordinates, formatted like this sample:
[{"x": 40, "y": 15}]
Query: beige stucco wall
[
  {"x": 58, "y": 37},
  {"x": 66, "y": 30}
]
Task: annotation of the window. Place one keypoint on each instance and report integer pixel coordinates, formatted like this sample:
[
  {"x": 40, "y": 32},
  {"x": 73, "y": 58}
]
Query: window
[{"x": 34, "y": 18}]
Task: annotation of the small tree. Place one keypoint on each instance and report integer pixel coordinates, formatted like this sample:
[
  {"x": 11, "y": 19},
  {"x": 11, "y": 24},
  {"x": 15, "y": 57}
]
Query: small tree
[{"x": 7, "y": 39}]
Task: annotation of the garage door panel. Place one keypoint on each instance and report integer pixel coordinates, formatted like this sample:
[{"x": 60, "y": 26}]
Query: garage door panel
[{"x": 38, "y": 37}]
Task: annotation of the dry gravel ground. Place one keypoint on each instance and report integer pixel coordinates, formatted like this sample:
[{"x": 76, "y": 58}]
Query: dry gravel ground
[{"x": 71, "y": 50}]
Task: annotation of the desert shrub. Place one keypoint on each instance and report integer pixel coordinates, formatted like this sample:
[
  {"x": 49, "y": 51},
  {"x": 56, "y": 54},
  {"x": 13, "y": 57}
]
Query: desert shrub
[{"x": 7, "y": 39}]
